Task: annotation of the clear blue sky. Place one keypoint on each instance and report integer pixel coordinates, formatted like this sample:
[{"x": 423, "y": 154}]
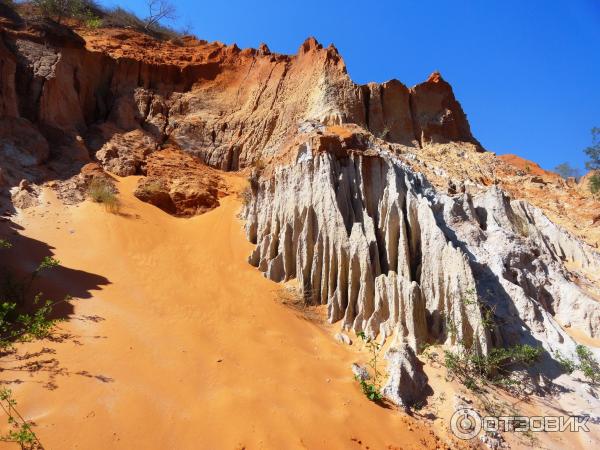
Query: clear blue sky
[{"x": 527, "y": 73}]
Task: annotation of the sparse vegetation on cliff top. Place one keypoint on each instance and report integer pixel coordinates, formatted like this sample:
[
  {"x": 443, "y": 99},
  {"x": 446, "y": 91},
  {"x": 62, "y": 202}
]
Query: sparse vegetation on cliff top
[{"x": 90, "y": 14}]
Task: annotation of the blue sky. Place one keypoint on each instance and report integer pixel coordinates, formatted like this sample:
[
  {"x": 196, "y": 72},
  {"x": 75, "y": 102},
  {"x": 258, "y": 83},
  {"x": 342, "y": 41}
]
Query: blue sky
[{"x": 527, "y": 72}]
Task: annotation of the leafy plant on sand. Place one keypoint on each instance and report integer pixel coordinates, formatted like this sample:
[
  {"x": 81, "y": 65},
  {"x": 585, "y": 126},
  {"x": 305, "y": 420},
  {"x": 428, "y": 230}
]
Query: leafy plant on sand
[
  {"x": 19, "y": 323},
  {"x": 20, "y": 430},
  {"x": 371, "y": 387},
  {"x": 588, "y": 365},
  {"x": 100, "y": 190}
]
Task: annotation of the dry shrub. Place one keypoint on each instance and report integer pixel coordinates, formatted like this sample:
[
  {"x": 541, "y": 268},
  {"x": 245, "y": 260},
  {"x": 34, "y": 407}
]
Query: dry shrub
[{"x": 102, "y": 191}]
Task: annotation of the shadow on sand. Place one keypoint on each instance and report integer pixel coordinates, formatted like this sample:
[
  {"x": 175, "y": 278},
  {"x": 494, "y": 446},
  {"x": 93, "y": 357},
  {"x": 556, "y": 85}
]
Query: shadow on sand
[{"x": 58, "y": 283}]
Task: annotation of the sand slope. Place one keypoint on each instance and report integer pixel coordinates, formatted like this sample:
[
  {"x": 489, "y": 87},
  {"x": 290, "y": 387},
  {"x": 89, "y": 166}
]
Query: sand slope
[{"x": 176, "y": 342}]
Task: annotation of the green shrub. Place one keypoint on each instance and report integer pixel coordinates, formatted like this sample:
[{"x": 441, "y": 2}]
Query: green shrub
[
  {"x": 372, "y": 387},
  {"x": 93, "y": 15},
  {"x": 20, "y": 431},
  {"x": 472, "y": 368},
  {"x": 101, "y": 190},
  {"x": 595, "y": 184},
  {"x": 568, "y": 365},
  {"x": 588, "y": 364},
  {"x": 92, "y": 21},
  {"x": 593, "y": 152},
  {"x": 24, "y": 326},
  {"x": 121, "y": 18},
  {"x": 60, "y": 9},
  {"x": 16, "y": 325}
]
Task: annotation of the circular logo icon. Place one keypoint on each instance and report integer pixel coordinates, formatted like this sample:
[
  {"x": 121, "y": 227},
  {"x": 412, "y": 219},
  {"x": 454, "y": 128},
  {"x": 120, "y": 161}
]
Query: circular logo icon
[{"x": 465, "y": 423}]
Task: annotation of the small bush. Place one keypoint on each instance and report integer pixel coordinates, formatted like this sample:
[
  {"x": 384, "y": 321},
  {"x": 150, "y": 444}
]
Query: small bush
[
  {"x": 568, "y": 365},
  {"x": 372, "y": 387},
  {"x": 102, "y": 191},
  {"x": 595, "y": 184},
  {"x": 60, "y": 9},
  {"x": 121, "y": 18},
  {"x": 471, "y": 368},
  {"x": 92, "y": 21},
  {"x": 152, "y": 187},
  {"x": 93, "y": 15},
  {"x": 588, "y": 364}
]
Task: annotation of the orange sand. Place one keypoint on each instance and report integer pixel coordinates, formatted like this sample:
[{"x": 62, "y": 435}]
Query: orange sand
[
  {"x": 176, "y": 342},
  {"x": 526, "y": 165}
]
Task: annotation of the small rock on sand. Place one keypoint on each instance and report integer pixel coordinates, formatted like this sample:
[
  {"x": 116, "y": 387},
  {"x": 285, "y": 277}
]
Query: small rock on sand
[
  {"x": 360, "y": 372},
  {"x": 343, "y": 338}
]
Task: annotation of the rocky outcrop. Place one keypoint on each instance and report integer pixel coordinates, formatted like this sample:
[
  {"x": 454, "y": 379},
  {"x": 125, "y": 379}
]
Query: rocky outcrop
[
  {"x": 437, "y": 116},
  {"x": 227, "y": 106},
  {"x": 360, "y": 373},
  {"x": 179, "y": 184},
  {"x": 25, "y": 195},
  {"x": 75, "y": 189},
  {"x": 426, "y": 113},
  {"x": 389, "y": 254},
  {"x": 376, "y": 198},
  {"x": 360, "y": 234},
  {"x": 407, "y": 382},
  {"x": 21, "y": 144}
]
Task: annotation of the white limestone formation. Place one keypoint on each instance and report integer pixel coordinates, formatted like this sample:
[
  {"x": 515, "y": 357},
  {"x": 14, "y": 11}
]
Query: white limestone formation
[{"x": 387, "y": 254}]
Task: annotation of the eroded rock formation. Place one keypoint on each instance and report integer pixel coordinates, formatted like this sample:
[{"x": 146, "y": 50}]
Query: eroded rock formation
[
  {"x": 388, "y": 253},
  {"x": 377, "y": 198},
  {"x": 178, "y": 184},
  {"x": 407, "y": 383}
]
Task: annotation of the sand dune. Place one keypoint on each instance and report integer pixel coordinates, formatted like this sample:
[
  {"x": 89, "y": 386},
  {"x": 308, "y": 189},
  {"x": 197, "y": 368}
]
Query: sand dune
[{"x": 176, "y": 342}]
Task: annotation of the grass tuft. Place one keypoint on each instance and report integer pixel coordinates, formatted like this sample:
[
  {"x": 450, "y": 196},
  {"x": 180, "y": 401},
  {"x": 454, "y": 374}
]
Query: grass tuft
[{"x": 102, "y": 191}]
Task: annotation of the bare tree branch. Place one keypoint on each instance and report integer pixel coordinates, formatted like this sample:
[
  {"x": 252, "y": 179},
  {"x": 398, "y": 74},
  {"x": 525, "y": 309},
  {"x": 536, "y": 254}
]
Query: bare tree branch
[{"x": 158, "y": 10}]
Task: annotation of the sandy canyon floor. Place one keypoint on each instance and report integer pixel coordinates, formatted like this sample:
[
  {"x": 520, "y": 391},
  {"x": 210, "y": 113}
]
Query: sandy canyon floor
[{"x": 173, "y": 341}]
